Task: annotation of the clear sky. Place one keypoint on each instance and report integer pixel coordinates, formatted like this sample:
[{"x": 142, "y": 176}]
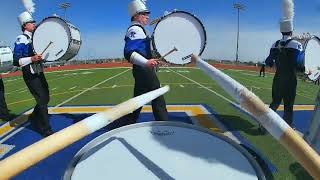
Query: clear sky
[{"x": 103, "y": 23}]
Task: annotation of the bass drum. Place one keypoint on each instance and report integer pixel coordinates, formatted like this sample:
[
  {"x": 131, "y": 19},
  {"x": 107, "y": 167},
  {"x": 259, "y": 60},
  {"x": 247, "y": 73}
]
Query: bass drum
[
  {"x": 163, "y": 150},
  {"x": 311, "y": 47},
  {"x": 57, "y": 39},
  {"x": 181, "y": 30}
]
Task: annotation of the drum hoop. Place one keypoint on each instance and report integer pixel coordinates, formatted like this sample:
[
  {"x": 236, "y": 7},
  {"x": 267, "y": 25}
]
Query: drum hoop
[
  {"x": 70, "y": 168},
  {"x": 179, "y": 11},
  {"x": 305, "y": 44},
  {"x": 70, "y": 38}
]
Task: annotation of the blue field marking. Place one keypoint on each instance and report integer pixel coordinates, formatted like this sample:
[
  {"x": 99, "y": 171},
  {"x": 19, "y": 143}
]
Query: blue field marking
[
  {"x": 54, "y": 166},
  {"x": 243, "y": 141},
  {"x": 301, "y": 118}
]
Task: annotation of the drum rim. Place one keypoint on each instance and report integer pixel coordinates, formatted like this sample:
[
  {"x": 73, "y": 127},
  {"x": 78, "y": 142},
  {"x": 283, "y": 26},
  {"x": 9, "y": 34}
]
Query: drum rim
[
  {"x": 97, "y": 140},
  {"x": 307, "y": 41},
  {"x": 181, "y": 11},
  {"x": 70, "y": 38},
  {"x": 305, "y": 44}
]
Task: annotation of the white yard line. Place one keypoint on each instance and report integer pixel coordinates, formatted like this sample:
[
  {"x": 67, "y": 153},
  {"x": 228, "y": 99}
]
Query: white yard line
[
  {"x": 77, "y": 95},
  {"x": 195, "y": 82},
  {"x": 15, "y": 131},
  {"x": 22, "y": 91},
  {"x": 72, "y": 70},
  {"x": 17, "y": 90},
  {"x": 73, "y": 87}
]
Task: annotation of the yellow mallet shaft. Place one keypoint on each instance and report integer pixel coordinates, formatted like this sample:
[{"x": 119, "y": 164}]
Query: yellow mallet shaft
[
  {"x": 40, "y": 150},
  {"x": 276, "y": 126}
]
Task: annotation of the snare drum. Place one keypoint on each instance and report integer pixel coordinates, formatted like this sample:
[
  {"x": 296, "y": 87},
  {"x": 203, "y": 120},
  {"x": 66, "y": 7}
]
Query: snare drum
[
  {"x": 64, "y": 36},
  {"x": 162, "y": 150},
  {"x": 182, "y": 30}
]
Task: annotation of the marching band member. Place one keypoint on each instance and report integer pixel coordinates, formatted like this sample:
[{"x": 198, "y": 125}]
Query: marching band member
[
  {"x": 288, "y": 56},
  {"x": 262, "y": 69},
  {"x": 4, "y": 111},
  {"x": 32, "y": 69},
  {"x": 137, "y": 51}
]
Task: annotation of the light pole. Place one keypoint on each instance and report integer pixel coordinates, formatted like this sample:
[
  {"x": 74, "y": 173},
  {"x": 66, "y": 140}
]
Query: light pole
[
  {"x": 65, "y": 6},
  {"x": 239, "y": 7}
]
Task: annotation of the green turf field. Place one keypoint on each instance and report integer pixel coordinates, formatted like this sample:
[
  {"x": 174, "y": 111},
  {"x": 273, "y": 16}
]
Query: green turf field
[{"x": 188, "y": 85}]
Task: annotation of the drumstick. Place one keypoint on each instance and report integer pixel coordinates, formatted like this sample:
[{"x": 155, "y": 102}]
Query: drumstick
[
  {"x": 34, "y": 153},
  {"x": 171, "y": 51},
  {"x": 276, "y": 126},
  {"x": 46, "y": 47}
]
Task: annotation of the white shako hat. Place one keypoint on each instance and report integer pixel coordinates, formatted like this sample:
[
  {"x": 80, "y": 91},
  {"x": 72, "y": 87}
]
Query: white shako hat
[
  {"x": 25, "y": 17},
  {"x": 286, "y": 25},
  {"x": 137, "y": 6}
]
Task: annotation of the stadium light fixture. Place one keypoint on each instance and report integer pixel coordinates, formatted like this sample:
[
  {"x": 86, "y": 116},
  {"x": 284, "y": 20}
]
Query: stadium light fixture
[
  {"x": 239, "y": 7},
  {"x": 64, "y": 6}
]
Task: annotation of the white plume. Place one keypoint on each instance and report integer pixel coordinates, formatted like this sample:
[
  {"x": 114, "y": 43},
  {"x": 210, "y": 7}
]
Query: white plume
[
  {"x": 288, "y": 9},
  {"x": 29, "y": 5}
]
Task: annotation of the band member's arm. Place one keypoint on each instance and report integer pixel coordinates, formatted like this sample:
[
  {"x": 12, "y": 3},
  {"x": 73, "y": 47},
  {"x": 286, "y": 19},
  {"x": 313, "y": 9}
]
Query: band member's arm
[
  {"x": 20, "y": 52},
  {"x": 137, "y": 59},
  {"x": 271, "y": 58},
  {"x": 136, "y": 47}
]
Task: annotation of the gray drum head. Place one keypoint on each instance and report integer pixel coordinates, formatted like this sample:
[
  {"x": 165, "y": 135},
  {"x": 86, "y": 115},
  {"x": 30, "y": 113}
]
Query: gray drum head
[
  {"x": 53, "y": 30},
  {"x": 162, "y": 150},
  {"x": 181, "y": 30},
  {"x": 312, "y": 54}
]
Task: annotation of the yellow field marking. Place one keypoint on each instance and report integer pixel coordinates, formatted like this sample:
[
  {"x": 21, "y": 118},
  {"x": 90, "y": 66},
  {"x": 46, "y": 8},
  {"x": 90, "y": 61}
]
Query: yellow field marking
[
  {"x": 300, "y": 107},
  {"x": 203, "y": 117},
  {"x": 74, "y": 109},
  {"x": 12, "y": 124},
  {"x": 196, "y": 111}
]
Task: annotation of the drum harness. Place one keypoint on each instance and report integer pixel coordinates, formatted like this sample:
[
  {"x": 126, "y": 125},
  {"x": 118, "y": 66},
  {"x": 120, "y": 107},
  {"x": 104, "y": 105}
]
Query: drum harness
[
  {"x": 280, "y": 46},
  {"x": 36, "y": 66}
]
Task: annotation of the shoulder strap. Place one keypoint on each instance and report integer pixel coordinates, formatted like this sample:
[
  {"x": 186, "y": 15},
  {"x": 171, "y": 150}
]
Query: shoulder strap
[
  {"x": 287, "y": 42},
  {"x": 139, "y": 26},
  {"x": 284, "y": 44},
  {"x": 26, "y": 36},
  {"x": 277, "y": 43}
]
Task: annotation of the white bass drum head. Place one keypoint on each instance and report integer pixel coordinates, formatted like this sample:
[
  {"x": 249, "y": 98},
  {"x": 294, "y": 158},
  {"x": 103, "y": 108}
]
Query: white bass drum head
[
  {"x": 312, "y": 54},
  {"x": 61, "y": 34},
  {"x": 163, "y": 150},
  {"x": 181, "y": 30}
]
